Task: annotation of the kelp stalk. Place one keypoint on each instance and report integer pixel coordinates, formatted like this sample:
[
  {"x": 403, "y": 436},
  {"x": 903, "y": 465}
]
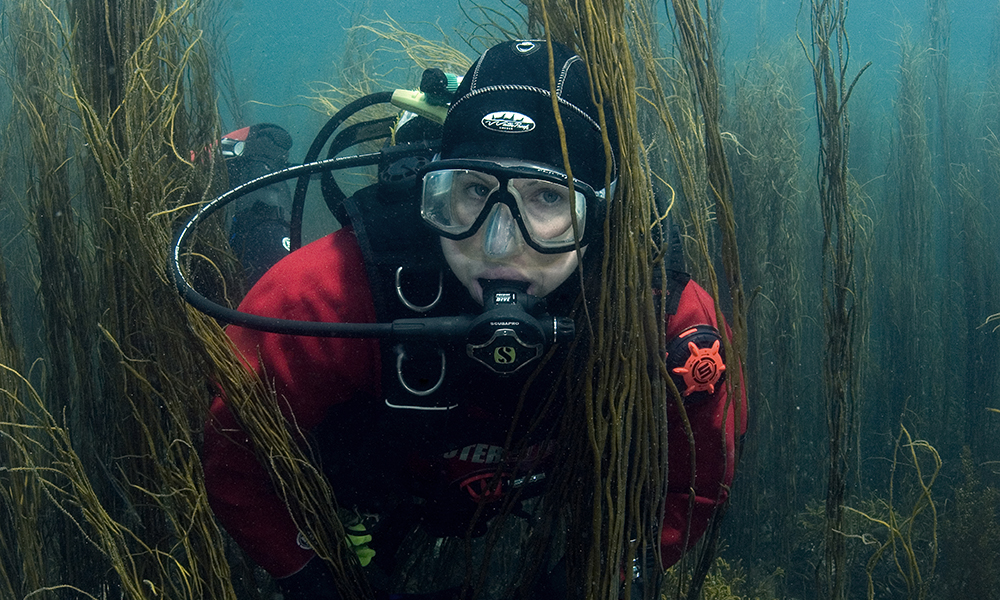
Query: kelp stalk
[
  {"x": 111, "y": 100},
  {"x": 697, "y": 45},
  {"x": 828, "y": 55}
]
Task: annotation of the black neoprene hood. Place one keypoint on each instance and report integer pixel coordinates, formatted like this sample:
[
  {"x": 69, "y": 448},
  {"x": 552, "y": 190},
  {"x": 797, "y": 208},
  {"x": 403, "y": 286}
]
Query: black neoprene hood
[{"x": 503, "y": 109}]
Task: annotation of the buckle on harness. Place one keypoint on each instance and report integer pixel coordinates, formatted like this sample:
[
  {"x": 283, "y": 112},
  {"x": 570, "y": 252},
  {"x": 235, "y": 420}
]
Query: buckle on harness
[
  {"x": 400, "y": 359},
  {"x": 410, "y": 305}
]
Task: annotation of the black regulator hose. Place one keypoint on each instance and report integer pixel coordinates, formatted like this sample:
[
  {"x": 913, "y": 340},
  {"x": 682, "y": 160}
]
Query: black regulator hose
[
  {"x": 228, "y": 315},
  {"x": 402, "y": 329},
  {"x": 302, "y": 186},
  {"x": 505, "y": 337},
  {"x": 507, "y": 322}
]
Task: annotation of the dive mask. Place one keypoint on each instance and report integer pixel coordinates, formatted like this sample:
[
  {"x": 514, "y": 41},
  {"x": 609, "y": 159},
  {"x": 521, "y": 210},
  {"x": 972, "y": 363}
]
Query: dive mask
[{"x": 553, "y": 214}]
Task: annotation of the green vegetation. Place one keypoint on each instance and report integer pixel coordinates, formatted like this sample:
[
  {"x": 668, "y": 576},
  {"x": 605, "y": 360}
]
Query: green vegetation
[
  {"x": 101, "y": 478},
  {"x": 874, "y": 272}
]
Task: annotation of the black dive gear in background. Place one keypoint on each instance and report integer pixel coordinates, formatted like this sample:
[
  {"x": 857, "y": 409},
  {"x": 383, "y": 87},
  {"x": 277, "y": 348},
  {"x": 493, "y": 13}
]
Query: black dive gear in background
[
  {"x": 259, "y": 237},
  {"x": 259, "y": 228}
]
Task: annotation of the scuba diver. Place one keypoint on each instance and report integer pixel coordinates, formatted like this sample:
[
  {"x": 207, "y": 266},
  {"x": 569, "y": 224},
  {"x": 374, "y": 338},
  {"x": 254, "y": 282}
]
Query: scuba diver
[
  {"x": 258, "y": 223},
  {"x": 420, "y": 438}
]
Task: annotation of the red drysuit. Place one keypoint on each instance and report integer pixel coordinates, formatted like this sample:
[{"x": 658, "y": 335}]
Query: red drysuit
[{"x": 326, "y": 281}]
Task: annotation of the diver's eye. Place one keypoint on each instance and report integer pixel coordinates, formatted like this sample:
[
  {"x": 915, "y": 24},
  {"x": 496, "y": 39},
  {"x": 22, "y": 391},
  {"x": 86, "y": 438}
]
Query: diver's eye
[
  {"x": 474, "y": 187},
  {"x": 544, "y": 196},
  {"x": 477, "y": 190},
  {"x": 550, "y": 197}
]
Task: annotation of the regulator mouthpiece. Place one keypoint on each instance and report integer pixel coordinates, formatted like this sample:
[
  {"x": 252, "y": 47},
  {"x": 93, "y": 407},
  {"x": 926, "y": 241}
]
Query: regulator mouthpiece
[{"x": 508, "y": 336}]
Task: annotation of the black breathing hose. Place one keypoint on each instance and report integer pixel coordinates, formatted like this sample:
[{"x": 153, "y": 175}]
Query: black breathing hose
[
  {"x": 302, "y": 186},
  {"x": 228, "y": 315},
  {"x": 510, "y": 313},
  {"x": 402, "y": 329}
]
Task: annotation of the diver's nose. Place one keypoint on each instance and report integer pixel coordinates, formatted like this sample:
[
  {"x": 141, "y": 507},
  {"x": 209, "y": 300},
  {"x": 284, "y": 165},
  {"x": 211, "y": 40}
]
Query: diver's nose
[{"x": 501, "y": 237}]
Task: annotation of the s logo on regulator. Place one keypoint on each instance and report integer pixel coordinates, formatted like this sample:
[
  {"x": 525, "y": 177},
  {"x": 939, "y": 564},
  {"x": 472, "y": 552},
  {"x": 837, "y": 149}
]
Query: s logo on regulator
[{"x": 504, "y": 355}]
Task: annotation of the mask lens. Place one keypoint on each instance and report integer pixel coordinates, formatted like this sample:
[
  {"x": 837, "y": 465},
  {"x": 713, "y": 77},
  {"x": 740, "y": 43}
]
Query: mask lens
[
  {"x": 547, "y": 209},
  {"x": 454, "y": 198},
  {"x": 454, "y": 201}
]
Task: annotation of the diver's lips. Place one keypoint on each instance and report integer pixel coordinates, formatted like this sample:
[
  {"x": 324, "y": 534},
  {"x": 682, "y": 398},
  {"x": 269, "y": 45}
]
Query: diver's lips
[{"x": 502, "y": 274}]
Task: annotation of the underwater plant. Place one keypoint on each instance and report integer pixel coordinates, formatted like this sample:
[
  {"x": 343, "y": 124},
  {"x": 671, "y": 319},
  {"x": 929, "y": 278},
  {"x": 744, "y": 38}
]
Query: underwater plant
[
  {"x": 911, "y": 534},
  {"x": 729, "y": 581},
  {"x": 970, "y": 537},
  {"x": 828, "y": 56},
  {"x": 101, "y": 433}
]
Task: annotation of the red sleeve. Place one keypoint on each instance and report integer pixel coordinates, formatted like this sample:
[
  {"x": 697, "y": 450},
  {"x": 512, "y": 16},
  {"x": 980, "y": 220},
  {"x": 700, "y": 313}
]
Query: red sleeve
[
  {"x": 325, "y": 282},
  {"x": 714, "y": 422}
]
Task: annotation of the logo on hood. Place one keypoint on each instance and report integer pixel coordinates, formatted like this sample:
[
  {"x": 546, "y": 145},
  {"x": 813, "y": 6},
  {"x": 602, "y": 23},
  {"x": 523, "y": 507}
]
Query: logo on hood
[{"x": 508, "y": 122}]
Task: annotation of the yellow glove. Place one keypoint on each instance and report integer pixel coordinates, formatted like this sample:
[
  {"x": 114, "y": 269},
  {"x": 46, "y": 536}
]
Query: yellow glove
[{"x": 358, "y": 539}]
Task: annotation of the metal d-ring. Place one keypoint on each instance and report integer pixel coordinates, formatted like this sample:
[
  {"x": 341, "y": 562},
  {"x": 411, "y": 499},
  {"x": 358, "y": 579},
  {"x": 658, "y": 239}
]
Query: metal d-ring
[
  {"x": 400, "y": 357},
  {"x": 412, "y": 306}
]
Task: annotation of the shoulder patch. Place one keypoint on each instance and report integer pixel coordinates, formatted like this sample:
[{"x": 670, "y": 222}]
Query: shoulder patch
[{"x": 695, "y": 362}]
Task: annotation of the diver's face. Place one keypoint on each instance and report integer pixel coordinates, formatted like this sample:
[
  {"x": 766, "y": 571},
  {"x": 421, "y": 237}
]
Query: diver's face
[{"x": 498, "y": 251}]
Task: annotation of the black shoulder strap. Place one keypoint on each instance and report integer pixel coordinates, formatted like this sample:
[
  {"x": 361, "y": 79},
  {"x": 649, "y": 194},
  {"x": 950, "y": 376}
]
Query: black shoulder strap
[
  {"x": 676, "y": 274},
  {"x": 393, "y": 238},
  {"x": 405, "y": 269}
]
